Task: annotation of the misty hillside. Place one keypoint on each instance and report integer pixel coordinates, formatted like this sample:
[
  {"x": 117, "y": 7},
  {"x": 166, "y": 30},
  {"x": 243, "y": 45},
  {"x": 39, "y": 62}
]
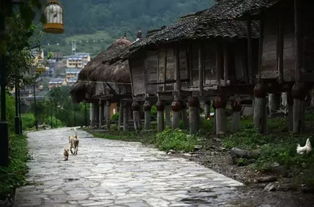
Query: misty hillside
[{"x": 93, "y": 24}]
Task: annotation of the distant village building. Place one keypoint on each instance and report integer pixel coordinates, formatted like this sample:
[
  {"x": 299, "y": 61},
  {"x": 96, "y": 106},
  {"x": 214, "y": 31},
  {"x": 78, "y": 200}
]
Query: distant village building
[
  {"x": 55, "y": 83},
  {"x": 72, "y": 73},
  {"x": 78, "y": 60}
]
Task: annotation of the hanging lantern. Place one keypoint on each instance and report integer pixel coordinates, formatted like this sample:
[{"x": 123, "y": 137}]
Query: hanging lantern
[{"x": 54, "y": 17}]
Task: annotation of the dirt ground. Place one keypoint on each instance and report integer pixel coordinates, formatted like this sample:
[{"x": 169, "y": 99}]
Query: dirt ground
[{"x": 253, "y": 194}]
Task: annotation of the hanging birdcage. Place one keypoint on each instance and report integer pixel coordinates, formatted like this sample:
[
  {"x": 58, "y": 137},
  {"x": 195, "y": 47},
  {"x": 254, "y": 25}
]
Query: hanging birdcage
[{"x": 54, "y": 17}]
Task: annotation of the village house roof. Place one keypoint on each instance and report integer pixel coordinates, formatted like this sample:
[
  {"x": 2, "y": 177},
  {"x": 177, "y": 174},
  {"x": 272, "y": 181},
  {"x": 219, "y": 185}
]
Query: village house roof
[
  {"x": 204, "y": 24},
  {"x": 106, "y": 67}
]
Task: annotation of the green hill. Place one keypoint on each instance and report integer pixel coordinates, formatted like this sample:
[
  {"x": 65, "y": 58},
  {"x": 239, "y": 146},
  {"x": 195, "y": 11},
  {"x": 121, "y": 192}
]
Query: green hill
[{"x": 94, "y": 24}]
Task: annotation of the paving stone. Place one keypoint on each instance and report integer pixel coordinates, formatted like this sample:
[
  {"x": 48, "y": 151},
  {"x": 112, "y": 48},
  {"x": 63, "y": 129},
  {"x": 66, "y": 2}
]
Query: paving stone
[{"x": 116, "y": 173}]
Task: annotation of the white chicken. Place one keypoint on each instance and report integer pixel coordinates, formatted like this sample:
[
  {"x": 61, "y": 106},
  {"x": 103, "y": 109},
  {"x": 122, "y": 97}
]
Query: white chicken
[{"x": 307, "y": 148}]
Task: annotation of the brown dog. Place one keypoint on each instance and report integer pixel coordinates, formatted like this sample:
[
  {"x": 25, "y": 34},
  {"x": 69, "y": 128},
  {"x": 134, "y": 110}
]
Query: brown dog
[
  {"x": 66, "y": 154},
  {"x": 74, "y": 143}
]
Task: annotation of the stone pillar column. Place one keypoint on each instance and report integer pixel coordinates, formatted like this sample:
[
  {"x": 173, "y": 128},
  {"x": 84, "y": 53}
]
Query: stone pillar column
[
  {"x": 260, "y": 113},
  {"x": 91, "y": 114},
  {"x": 298, "y": 91},
  {"x": 220, "y": 119},
  {"x": 136, "y": 115},
  {"x": 147, "y": 110},
  {"x": 236, "y": 115},
  {"x": 125, "y": 117},
  {"x": 120, "y": 116},
  {"x": 273, "y": 103},
  {"x": 160, "y": 116},
  {"x": 107, "y": 114},
  {"x": 194, "y": 115},
  {"x": 168, "y": 115},
  {"x": 176, "y": 109}
]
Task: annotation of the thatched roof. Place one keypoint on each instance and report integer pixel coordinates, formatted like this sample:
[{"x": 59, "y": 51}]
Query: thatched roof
[
  {"x": 204, "y": 24},
  {"x": 108, "y": 66}
]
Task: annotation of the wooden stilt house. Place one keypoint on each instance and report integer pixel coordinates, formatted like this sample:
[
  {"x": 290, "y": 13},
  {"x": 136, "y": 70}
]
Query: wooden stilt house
[
  {"x": 104, "y": 82},
  {"x": 197, "y": 57}
]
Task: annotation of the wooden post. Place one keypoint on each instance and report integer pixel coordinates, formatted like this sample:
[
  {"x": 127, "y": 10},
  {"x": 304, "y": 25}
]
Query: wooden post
[
  {"x": 273, "y": 103},
  {"x": 200, "y": 70},
  {"x": 177, "y": 71},
  {"x": 249, "y": 52},
  {"x": 220, "y": 120},
  {"x": 107, "y": 114},
  {"x": 120, "y": 116},
  {"x": 299, "y": 92},
  {"x": 160, "y": 116},
  {"x": 297, "y": 40},
  {"x": 260, "y": 113},
  {"x": 147, "y": 109},
  {"x": 184, "y": 116},
  {"x": 96, "y": 112},
  {"x": 207, "y": 109},
  {"x": 194, "y": 115},
  {"x": 136, "y": 115},
  {"x": 101, "y": 114},
  {"x": 125, "y": 117},
  {"x": 280, "y": 45},
  {"x": 236, "y": 115},
  {"x": 290, "y": 111},
  {"x": 226, "y": 63},
  {"x": 218, "y": 63}
]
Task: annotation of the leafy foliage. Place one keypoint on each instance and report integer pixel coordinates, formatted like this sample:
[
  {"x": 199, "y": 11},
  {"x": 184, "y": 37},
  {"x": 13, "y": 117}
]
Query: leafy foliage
[
  {"x": 175, "y": 140},
  {"x": 14, "y": 175},
  {"x": 28, "y": 121}
]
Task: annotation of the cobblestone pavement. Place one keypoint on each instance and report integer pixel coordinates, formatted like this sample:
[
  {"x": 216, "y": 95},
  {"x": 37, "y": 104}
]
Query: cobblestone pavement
[{"x": 116, "y": 173}]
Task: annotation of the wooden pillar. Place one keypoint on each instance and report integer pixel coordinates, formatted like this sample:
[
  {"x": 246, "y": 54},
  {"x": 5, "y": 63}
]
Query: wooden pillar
[
  {"x": 226, "y": 63},
  {"x": 249, "y": 52},
  {"x": 125, "y": 117},
  {"x": 160, "y": 116},
  {"x": 100, "y": 114},
  {"x": 136, "y": 115},
  {"x": 290, "y": 111},
  {"x": 207, "y": 109},
  {"x": 120, "y": 116},
  {"x": 176, "y": 109},
  {"x": 96, "y": 115},
  {"x": 220, "y": 120},
  {"x": 107, "y": 114},
  {"x": 260, "y": 113},
  {"x": 200, "y": 70},
  {"x": 236, "y": 114},
  {"x": 312, "y": 98},
  {"x": 194, "y": 115},
  {"x": 147, "y": 110},
  {"x": 168, "y": 115},
  {"x": 177, "y": 86},
  {"x": 299, "y": 92}
]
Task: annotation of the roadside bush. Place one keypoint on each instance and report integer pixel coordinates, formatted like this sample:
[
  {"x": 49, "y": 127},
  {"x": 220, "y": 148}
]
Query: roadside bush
[
  {"x": 175, "y": 140},
  {"x": 56, "y": 123},
  {"x": 28, "y": 121},
  {"x": 14, "y": 175}
]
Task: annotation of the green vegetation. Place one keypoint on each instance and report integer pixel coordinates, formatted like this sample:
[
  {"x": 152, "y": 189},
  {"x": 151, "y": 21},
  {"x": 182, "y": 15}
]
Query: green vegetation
[
  {"x": 175, "y": 139},
  {"x": 28, "y": 121},
  {"x": 14, "y": 175},
  {"x": 169, "y": 139}
]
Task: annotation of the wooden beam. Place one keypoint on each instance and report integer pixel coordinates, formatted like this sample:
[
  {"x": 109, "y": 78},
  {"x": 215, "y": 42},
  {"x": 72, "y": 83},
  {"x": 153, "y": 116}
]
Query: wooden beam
[
  {"x": 249, "y": 52},
  {"x": 297, "y": 40},
  {"x": 200, "y": 68},
  {"x": 165, "y": 68},
  {"x": 177, "y": 71},
  {"x": 218, "y": 62},
  {"x": 280, "y": 45},
  {"x": 226, "y": 63},
  {"x": 260, "y": 48}
]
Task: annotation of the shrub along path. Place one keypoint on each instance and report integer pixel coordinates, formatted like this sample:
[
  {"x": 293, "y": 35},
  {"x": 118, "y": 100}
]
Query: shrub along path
[{"x": 116, "y": 173}]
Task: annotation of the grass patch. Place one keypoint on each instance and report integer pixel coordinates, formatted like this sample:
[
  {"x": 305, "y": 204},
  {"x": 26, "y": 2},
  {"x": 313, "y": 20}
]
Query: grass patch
[
  {"x": 175, "y": 139},
  {"x": 169, "y": 139},
  {"x": 13, "y": 176}
]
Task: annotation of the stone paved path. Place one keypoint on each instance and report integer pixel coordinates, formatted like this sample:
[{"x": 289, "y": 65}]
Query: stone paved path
[{"x": 116, "y": 173}]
